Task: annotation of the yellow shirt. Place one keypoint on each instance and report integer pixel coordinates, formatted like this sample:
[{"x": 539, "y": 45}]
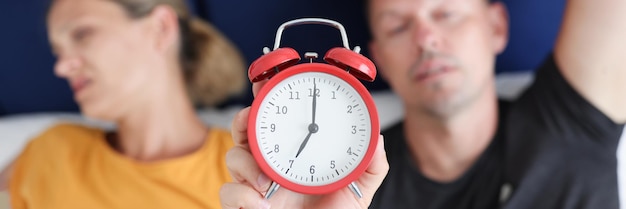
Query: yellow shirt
[{"x": 72, "y": 166}]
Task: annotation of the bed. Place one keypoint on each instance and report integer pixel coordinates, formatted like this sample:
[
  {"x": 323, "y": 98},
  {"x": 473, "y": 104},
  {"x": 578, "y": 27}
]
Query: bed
[{"x": 15, "y": 131}]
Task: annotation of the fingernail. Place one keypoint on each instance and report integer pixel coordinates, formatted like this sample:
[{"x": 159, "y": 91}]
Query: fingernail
[
  {"x": 263, "y": 181},
  {"x": 264, "y": 204}
]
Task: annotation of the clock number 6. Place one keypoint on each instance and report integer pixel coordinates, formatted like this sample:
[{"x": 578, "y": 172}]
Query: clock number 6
[{"x": 312, "y": 169}]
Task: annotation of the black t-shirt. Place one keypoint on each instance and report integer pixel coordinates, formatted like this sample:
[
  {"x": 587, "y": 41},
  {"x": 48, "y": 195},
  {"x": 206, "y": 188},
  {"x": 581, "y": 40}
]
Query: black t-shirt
[
  {"x": 406, "y": 187},
  {"x": 553, "y": 149},
  {"x": 561, "y": 151}
]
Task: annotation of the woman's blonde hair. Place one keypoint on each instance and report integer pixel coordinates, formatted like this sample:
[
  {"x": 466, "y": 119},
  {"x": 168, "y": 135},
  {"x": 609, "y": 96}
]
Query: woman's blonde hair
[{"x": 213, "y": 68}]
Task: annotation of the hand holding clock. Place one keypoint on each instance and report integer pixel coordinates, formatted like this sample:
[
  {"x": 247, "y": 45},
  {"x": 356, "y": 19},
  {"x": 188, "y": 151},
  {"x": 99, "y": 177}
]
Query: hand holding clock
[{"x": 250, "y": 183}]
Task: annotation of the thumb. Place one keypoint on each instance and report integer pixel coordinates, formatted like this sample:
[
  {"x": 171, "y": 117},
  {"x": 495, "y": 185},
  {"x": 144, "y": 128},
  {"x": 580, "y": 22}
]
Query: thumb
[
  {"x": 373, "y": 177},
  {"x": 256, "y": 87}
]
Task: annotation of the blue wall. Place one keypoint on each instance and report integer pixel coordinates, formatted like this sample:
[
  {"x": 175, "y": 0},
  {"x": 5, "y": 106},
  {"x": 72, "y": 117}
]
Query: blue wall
[{"x": 27, "y": 82}]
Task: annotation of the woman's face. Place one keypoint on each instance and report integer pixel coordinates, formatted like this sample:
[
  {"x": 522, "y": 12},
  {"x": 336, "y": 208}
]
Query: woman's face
[{"x": 105, "y": 55}]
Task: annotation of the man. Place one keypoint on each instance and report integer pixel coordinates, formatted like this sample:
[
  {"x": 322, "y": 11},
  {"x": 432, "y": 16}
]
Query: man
[
  {"x": 556, "y": 146},
  {"x": 439, "y": 57}
]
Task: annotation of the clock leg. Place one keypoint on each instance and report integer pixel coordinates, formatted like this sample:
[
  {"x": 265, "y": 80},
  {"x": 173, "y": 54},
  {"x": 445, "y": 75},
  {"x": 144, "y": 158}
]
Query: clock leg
[
  {"x": 355, "y": 189},
  {"x": 273, "y": 188}
]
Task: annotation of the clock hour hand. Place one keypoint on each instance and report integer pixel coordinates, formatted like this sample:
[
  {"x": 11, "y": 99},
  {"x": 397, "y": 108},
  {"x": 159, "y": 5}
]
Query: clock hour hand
[
  {"x": 306, "y": 140},
  {"x": 312, "y": 129}
]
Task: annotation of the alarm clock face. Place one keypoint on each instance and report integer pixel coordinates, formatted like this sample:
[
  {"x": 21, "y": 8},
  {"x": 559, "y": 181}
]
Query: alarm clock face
[{"x": 313, "y": 129}]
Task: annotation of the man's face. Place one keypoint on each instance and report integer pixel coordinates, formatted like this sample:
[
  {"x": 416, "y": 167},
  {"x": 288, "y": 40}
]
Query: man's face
[{"x": 438, "y": 55}]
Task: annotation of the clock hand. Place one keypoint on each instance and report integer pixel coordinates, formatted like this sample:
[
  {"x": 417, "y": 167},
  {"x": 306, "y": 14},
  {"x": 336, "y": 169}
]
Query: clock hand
[
  {"x": 306, "y": 140},
  {"x": 312, "y": 129},
  {"x": 314, "y": 100}
]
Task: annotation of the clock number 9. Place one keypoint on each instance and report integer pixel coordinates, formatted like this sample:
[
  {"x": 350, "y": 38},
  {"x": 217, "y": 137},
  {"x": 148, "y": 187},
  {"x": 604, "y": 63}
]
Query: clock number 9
[{"x": 273, "y": 127}]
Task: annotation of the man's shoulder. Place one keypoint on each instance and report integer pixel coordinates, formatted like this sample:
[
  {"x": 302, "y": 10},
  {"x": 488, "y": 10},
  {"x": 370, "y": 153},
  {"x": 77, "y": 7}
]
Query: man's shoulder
[{"x": 552, "y": 105}]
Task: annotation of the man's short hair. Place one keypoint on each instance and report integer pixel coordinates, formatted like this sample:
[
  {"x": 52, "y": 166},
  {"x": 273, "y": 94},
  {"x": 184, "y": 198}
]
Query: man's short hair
[{"x": 366, "y": 6}]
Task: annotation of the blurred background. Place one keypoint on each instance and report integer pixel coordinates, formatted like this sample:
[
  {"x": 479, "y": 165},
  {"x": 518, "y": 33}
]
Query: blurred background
[
  {"x": 32, "y": 98},
  {"x": 28, "y": 85}
]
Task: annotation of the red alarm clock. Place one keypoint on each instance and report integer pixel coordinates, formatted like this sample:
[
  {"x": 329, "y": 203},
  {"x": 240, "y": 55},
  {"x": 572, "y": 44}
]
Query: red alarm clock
[{"x": 313, "y": 127}]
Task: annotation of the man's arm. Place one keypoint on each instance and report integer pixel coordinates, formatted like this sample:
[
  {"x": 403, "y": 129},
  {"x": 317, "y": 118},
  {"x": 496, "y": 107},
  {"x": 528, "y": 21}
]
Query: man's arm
[{"x": 591, "y": 52}]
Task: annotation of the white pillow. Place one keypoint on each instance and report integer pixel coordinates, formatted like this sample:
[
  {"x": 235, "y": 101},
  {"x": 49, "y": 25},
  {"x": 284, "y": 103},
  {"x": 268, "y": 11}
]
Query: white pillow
[{"x": 15, "y": 131}]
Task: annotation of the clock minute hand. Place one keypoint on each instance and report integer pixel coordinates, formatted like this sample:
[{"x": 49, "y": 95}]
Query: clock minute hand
[{"x": 314, "y": 100}]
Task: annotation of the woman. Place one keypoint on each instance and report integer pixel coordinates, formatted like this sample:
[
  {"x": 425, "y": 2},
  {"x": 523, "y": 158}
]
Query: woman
[{"x": 136, "y": 63}]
